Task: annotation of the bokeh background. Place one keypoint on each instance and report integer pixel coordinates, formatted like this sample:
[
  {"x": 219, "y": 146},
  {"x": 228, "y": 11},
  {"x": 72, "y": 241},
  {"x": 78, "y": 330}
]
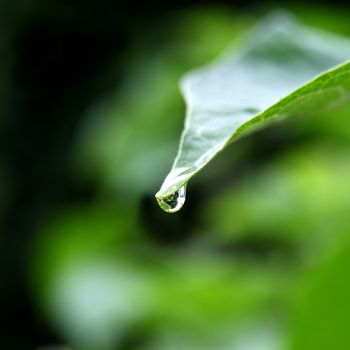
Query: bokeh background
[{"x": 90, "y": 118}]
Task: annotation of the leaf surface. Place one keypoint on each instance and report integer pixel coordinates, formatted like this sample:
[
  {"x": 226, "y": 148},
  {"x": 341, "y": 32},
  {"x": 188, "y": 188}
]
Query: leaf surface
[{"x": 284, "y": 70}]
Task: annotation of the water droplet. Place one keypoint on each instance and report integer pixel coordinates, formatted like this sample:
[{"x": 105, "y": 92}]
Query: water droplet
[{"x": 174, "y": 201}]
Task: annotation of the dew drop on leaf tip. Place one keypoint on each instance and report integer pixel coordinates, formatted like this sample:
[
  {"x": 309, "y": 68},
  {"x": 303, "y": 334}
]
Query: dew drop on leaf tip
[{"x": 174, "y": 201}]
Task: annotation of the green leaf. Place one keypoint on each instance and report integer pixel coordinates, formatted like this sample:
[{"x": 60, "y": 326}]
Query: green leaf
[{"x": 284, "y": 70}]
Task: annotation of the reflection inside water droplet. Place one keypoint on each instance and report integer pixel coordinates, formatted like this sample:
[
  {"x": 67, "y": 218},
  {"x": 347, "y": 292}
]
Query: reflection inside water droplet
[{"x": 173, "y": 202}]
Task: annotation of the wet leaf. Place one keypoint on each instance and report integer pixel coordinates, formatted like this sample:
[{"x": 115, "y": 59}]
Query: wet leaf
[{"x": 284, "y": 70}]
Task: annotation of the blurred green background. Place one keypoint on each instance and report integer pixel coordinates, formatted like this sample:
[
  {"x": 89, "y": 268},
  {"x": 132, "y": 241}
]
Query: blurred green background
[{"x": 90, "y": 118}]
